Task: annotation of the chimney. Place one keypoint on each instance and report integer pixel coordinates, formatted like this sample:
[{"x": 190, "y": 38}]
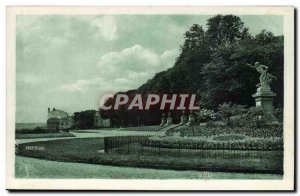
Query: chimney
[{"x": 48, "y": 110}]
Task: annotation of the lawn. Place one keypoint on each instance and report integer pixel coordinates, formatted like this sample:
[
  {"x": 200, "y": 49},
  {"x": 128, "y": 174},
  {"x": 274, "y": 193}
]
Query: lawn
[
  {"x": 44, "y": 135},
  {"x": 109, "y": 133},
  {"x": 36, "y": 168},
  {"x": 90, "y": 150},
  {"x": 141, "y": 128}
]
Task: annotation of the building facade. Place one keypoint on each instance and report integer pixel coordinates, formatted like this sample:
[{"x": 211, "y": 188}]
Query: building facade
[
  {"x": 100, "y": 122},
  {"x": 59, "y": 120}
]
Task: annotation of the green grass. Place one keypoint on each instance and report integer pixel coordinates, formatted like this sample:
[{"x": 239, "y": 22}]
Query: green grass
[
  {"x": 144, "y": 128},
  {"x": 43, "y": 135},
  {"x": 110, "y": 133},
  {"x": 87, "y": 150},
  {"x": 36, "y": 168},
  {"x": 83, "y": 131}
]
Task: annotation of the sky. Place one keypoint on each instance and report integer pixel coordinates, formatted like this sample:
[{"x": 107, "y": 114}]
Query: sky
[{"x": 69, "y": 62}]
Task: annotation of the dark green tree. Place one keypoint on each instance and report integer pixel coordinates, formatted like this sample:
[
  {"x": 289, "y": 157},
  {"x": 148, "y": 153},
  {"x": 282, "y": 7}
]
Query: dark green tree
[
  {"x": 84, "y": 119},
  {"x": 227, "y": 110}
]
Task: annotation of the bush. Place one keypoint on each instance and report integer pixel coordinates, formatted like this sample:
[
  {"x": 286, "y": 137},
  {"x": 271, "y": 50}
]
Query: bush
[
  {"x": 32, "y": 131},
  {"x": 227, "y": 137},
  {"x": 278, "y": 112},
  {"x": 227, "y": 110},
  {"x": 257, "y": 118},
  {"x": 205, "y": 115}
]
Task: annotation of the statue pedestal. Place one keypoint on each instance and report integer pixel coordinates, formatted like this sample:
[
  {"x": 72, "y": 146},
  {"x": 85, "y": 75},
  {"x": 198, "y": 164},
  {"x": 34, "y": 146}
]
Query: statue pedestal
[
  {"x": 163, "y": 122},
  {"x": 191, "y": 120},
  {"x": 183, "y": 120},
  {"x": 169, "y": 121},
  {"x": 264, "y": 99}
]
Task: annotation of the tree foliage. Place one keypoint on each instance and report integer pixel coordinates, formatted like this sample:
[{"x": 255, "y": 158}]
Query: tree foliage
[
  {"x": 205, "y": 115},
  {"x": 84, "y": 119},
  {"x": 227, "y": 110}
]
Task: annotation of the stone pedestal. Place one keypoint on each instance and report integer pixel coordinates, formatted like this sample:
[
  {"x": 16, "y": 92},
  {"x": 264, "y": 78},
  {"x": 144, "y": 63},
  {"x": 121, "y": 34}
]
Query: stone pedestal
[
  {"x": 183, "y": 119},
  {"x": 192, "y": 120},
  {"x": 169, "y": 119},
  {"x": 264, "y": 99}
]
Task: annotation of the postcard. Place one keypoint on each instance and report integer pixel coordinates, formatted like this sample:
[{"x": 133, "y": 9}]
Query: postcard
[{"x": 150, "y": 98}]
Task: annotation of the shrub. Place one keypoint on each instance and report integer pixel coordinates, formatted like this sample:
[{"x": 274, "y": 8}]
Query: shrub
[
  {"x": 227, "y": 110},
  {"x": 32, "y": 131},
  {"x": 205, "y": 115},
  {"x": 257, "y": 118},
  {"x": 278, "y": 112},
  {"x": 227, "y": 137}
]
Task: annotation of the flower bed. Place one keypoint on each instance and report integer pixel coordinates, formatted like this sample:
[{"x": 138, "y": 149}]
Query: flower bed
[
  {"x": 210, "y": 143},
  {"x": 208, "y": 131}
]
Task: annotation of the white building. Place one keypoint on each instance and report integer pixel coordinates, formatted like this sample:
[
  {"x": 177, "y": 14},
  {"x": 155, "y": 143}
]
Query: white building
[
  {"x": 59, "y": 120},
  {"x": 101, "y": 122}
]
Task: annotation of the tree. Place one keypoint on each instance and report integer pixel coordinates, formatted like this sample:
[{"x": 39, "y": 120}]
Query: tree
[
  {"x": 268, "y": 50},
  {"x": 226, "y": 76},
  {"x": 227, "y": 110},
  {"x": 224, "y": 34},
  {"x": 225, "y": 31},
  {"x": 213, "y": 65},
  {"x": 84, "y": 119}
]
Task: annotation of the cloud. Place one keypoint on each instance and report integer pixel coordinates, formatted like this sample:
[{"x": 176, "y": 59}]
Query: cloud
[
  {"x": 125, "y": 69},
  {"x": 54, "y": 33},
  {"x": 80, "y": 85},
  {"x": 134, "y": 61}
]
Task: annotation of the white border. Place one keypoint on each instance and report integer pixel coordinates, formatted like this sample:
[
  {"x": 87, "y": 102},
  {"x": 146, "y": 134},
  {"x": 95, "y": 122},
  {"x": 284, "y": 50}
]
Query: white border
[{"x": 100, "y": 184}]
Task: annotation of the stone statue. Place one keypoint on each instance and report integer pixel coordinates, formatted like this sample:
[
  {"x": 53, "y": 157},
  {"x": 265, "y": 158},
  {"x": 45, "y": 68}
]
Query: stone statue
[
  {"x": 265, "y": 78},
  {"x": 183, "y": 118},
  {"x": 163, "y": 120},
  {"x": 192, "y": 120},
  {"x": 264, "y": 95},
  {"x": 169, "y": 119}
]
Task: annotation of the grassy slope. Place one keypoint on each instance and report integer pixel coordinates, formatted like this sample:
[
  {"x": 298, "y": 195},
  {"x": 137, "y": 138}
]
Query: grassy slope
[{"x": 35, "y": 168}]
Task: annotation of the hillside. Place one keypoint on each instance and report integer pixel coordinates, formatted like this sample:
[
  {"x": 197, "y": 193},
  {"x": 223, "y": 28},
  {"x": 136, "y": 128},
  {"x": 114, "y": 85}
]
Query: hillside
[{"x": 213, "y": 64}]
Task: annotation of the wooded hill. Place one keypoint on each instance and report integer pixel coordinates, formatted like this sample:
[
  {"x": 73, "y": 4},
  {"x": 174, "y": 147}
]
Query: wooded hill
[{"x": 213, "y": 64}]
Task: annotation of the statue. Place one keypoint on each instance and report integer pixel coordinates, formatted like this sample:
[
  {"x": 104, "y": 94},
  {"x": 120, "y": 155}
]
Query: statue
[
  {"x": 265, "y": 78},
  {"x": 183, "y": 118},
  {"x": 192, "y": 120},
  {"x": 163, "y": 120},
  {"x": 169, "y": 119},
  {"x": 264, "y": 96}
]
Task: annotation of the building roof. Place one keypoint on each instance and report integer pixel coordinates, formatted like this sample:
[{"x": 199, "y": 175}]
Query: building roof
[{"x": 55, "y": 113}]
